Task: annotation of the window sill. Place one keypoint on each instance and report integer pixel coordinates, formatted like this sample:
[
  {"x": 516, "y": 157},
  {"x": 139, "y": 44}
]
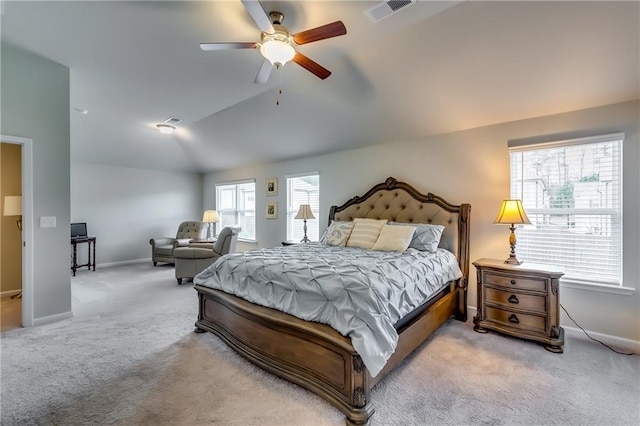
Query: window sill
[{"x": 602, "y": 288}]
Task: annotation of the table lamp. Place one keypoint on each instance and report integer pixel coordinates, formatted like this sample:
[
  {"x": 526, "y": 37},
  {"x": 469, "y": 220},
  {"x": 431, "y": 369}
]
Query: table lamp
[
  {"x": 512, "y": 213},
  {"x": 13, "y": 207},
  {"x": 210, "y": 217},
  {"x": 304, "y": 213}
]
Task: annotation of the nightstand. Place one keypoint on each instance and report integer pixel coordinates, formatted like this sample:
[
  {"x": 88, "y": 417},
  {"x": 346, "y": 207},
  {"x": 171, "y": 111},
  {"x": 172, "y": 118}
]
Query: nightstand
[
  {"x": 520, "y": 300},
  {"x": 290, "y": 243}
]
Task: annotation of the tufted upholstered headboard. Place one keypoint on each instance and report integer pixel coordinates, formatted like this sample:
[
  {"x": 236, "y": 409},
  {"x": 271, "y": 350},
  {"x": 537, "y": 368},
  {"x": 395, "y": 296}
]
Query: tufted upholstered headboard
[{"x": 400, "y": 202}]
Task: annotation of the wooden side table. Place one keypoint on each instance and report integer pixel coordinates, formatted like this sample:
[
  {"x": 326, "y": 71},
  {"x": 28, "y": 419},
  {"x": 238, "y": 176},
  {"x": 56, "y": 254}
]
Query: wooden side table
[
  {"x": 91, "y": 260},
  {"x": 520, "y": 300},
  {"x": 290, "y": 243},
  {"x": 205, "y": 240}
]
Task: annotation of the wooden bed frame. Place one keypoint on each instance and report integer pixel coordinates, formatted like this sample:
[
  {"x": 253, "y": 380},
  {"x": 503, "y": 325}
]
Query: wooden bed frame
[{"x": 314, "y": 355}]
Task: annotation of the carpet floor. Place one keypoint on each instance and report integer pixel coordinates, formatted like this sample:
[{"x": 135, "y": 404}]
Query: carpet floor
[{"x": 129, "y": 357}]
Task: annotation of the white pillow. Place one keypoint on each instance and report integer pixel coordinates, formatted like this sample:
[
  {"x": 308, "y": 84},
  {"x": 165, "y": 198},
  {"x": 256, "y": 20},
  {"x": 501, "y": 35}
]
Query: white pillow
[
  {"x": 394, "y": 238},
  {"x": 365, "y": 232},
  {"x": 337, "y": 233}
]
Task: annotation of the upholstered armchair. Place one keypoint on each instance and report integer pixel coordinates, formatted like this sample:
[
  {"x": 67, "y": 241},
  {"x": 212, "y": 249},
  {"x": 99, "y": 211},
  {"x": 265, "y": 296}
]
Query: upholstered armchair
[
  {"x": 162, "y": 248},
  {"x": 190, "y": 261}
]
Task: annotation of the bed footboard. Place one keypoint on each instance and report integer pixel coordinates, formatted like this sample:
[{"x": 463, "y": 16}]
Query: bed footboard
[{"x": 311, "y": 355}]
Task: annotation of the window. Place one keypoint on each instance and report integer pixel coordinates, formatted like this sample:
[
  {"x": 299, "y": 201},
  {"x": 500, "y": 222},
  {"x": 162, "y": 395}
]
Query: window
[
  {"x": 303, "y": 190},
  {"x": 236, "y": 205},
  {"x": 572, "y": 193}
]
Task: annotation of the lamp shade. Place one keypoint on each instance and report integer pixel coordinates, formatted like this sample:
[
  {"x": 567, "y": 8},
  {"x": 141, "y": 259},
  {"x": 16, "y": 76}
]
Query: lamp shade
[
  {"x": 512, "y": 212},
  {"x": 210, "y": 216},
  {"x": 304, "y": 212},
  {"x": 13, "y": 205}
]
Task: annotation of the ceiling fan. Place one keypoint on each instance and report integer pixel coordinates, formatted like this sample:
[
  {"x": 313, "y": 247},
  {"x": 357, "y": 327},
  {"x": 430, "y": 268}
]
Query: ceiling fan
[{"x": 277, "y": 44}]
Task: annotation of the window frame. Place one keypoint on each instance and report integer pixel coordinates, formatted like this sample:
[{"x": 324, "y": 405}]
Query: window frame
[
  {"x": 291, "y": 211},
  {"x": 237, "y": 212},
  {"x": 517, "y": 191}
]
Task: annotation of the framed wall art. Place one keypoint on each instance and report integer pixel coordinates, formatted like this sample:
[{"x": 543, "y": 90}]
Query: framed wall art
[
  {"x": 272, "y": 210},
  {"x": 272, "y": 186}
]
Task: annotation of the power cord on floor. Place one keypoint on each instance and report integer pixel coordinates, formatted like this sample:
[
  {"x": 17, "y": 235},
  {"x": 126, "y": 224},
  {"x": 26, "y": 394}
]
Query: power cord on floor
[{"x": 594, "y": 339}]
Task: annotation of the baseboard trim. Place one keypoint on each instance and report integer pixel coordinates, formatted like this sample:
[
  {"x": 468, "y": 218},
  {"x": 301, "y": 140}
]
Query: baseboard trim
[
  {"x": 619, "y": 343},
  {"x": 52, "y": 318},
  {"x": 9, "y": 293},
  {"x": 124, "y": 262}
]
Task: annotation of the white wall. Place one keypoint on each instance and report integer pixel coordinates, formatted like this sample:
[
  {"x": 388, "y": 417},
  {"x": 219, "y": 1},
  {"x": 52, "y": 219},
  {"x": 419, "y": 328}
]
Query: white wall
[
  {"x": 472, "y": 166},
  {"x": 35, "y": 104},
  {"x": 125, "y": 207}
]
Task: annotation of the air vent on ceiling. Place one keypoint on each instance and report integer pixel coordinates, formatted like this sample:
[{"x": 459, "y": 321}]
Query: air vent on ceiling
[
  {"x": 172, "y": 120},
  {"x": 386, "y": 9}
]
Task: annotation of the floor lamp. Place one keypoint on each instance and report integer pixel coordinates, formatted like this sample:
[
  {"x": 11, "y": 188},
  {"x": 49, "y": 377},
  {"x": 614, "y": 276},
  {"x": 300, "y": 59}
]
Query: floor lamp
[{"x": 13, "y": 207}]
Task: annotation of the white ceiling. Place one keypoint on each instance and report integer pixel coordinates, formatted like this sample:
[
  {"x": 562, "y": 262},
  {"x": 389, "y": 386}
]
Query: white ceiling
[{"x": 432, "y": 68}]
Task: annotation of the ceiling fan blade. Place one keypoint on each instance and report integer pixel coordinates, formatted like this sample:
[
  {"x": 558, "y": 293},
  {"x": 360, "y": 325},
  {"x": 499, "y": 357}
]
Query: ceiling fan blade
[
  {"x": 312, "y": 66},
  {"x": 228, "y": 46},
  {"x": 333, "y": 29},
  {"x": 259, "y": 16},
  {"x": 264, "y": 72}
]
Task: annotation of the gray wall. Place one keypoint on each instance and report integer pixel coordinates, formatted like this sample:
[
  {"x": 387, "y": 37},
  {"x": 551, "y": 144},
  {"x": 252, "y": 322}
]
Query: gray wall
[
  {"x": 472, "y": 166},
  {"x": 125, "y": 207},
  {"x": 35, "y": 104}
]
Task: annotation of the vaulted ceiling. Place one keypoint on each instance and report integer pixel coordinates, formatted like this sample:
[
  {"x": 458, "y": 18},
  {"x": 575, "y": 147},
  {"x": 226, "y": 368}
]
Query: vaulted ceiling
[{"x": 433, "y": 67}]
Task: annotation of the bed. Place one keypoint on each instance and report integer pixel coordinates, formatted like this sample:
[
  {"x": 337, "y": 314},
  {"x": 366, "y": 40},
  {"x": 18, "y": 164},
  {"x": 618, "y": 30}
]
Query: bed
[{"x": 315, "y": 355}]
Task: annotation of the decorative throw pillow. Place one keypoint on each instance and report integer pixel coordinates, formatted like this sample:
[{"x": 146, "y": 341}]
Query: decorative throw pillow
[
  {"x": 365, "y": 232},
  {"x": 183, "y": 242},
  {"x": 394, "y": 238},
  {"x": 426, "y": 237},
  {"x": 337, "y": 233}
]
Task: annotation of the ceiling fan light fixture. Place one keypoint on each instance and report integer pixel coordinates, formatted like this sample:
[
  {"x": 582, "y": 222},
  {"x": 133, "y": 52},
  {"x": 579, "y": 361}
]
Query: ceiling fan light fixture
[
  {"x": 165, "y": 129},
  {"x": 277, "y": 51}
]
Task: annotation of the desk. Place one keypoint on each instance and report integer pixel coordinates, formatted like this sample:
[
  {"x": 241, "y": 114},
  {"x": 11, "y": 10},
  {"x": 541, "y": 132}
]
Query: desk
[{"x": 91, "y": 242}]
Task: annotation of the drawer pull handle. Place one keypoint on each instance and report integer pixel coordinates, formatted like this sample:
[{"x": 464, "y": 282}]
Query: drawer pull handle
[
  {"x": 513, "y": 282},
  {"x": 513, "y": 299},
  {"x": 514, "y": 319}
]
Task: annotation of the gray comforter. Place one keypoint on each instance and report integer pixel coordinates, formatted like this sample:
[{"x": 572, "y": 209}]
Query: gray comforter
[{"x": 360, "y": 293}]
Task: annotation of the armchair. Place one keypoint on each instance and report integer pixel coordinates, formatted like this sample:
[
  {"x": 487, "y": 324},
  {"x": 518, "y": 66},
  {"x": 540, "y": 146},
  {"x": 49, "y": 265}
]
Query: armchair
[
  {"x": 190, "y": 261},
  {"x": 162, "y": 248}
]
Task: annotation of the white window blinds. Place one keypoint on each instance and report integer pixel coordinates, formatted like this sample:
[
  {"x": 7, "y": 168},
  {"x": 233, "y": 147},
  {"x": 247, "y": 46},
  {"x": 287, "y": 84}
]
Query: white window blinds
[
  {"x": 572, "y": 194},
  {"x": 236, "y": 205},
  {"x": 303, "y": 190}
]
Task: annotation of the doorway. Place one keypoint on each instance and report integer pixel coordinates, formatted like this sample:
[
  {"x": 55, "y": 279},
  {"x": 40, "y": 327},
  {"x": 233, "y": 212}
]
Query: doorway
[
  {"x": 11, "y": 235},
  {"x": 21, "y": 227}
]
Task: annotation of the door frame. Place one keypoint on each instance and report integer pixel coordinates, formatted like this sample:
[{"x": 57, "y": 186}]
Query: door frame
[{"x": 27, "y": 225}]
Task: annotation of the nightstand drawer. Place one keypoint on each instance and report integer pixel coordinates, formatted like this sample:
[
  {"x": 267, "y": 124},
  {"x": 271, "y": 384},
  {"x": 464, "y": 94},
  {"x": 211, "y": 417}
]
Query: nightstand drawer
[
  {"x": 527, "y": 302},
  {"x": 521, "y": 321},
  {"x": 517, "y": 282}
]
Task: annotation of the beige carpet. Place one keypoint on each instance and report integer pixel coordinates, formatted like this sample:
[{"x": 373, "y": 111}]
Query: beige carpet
[{"x": 121, "y": 361}]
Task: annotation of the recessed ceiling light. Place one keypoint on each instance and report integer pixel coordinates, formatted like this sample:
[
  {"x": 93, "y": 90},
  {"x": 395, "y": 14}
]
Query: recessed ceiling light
[
  {"x": 166, "y": 129},
  {"x": 82, "y": 111}
]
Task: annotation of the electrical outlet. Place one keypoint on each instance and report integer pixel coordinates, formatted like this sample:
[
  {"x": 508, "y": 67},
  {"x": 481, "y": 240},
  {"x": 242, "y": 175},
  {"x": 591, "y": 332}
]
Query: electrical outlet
[{"x": 47, "y": 221}]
